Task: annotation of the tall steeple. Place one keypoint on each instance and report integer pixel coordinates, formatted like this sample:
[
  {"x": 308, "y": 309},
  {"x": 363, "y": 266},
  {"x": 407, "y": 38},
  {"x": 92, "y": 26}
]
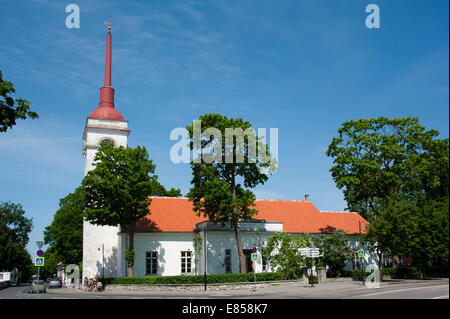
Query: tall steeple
[
  {"x": 106, "y": 110},
  {"x": 104, "y": 124}
]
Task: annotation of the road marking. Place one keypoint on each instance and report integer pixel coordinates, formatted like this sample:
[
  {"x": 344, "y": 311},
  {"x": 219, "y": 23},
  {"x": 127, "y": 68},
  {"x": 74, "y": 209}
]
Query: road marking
[{"x": 397, "y": 290}]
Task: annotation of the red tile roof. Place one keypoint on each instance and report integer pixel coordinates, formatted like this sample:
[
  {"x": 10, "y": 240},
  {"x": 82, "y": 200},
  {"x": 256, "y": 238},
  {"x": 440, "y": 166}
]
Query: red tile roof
[{"x": 176, "y": 215}]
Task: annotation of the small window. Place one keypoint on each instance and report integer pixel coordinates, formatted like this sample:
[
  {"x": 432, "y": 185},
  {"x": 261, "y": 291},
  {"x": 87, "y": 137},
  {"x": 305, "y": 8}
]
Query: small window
[
  {"x": 186, "y": 262},
  {"x": 107, "y": 141},
  {"x": 227, "y": 260},
  {"x": 151, "y": 263}
]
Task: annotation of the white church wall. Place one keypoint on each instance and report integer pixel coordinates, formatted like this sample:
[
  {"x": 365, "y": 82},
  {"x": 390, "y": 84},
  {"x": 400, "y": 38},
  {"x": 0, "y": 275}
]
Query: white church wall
[
  {"x": 218, "y": 242},
  {"x": 168, "y": 245},
  {"x": 100, "y": 250}
]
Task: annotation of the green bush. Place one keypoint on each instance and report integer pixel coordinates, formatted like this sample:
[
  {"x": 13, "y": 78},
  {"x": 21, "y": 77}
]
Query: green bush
[
  {"x": 355, "y": 274},
  {"x": 388, "y": 271},
  {"x": 402, "y": 272},
  {"x": 194, "y": 279},
  {"x": 408, "y": 273}
]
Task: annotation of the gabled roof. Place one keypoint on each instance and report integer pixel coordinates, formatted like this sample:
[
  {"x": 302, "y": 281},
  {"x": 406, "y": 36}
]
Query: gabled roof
[{"x": 175, "y": 214}]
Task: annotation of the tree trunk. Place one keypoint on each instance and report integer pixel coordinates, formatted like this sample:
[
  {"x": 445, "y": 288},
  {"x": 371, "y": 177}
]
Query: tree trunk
[
  {"x": 242, "y": 261},
  {"x": 237, "y": 231},
  {"x": 131, "y": 248},
  {"x": 395, "y": 260}
]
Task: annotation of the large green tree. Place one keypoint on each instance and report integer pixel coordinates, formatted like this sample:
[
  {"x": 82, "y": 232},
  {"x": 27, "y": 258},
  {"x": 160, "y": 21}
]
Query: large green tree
[
  {"x": 117, "y": 191},
  {"x": 14, "y": 230},
  {"x": 225, "y": 170},
  {"x": 384, "y": 165},
  {"x": 12, "y": 109},
  {"x": 65, "y": 234}
]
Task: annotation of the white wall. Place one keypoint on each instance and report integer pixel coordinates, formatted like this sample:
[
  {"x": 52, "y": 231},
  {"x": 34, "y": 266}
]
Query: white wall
[
  {"x": 101, "y": 243},
  {"x": 170, "y": 244},
  {"x": 169, "y": 247}
]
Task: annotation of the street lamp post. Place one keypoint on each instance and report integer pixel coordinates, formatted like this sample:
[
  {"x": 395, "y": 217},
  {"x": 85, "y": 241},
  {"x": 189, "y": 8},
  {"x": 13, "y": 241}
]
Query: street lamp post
[
  {"x": 103, "y": 261},
  {"x": 205, "y": 249}
]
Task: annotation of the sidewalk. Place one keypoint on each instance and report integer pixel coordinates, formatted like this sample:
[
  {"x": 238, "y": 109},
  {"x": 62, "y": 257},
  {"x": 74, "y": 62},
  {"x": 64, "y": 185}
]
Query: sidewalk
[{"x": 221, "y": 289}]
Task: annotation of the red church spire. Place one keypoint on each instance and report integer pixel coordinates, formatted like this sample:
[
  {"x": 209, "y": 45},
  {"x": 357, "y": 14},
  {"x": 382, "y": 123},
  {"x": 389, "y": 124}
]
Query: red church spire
[
  {"x": 106, "y": 110},
  {"x": 108, "y": 59}
]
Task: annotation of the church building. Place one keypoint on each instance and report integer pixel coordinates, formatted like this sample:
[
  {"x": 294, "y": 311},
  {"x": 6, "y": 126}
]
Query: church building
[{"x": 172, "y": 240}]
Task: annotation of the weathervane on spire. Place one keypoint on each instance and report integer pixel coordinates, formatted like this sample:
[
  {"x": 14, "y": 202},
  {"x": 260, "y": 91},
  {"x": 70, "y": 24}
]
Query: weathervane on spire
[{"x": 109, "y": 23}]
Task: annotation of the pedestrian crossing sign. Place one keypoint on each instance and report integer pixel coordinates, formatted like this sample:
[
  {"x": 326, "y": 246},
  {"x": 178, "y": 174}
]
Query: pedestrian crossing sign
[
  {"x": 255, "y": 257},
  {"x": 361, "y": 253},
  {"x": 39, "y": 261}
]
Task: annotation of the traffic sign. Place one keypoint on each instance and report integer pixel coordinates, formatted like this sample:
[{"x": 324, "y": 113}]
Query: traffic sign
[
  {"x": 254, "y": 250},
  {"x": 39, "y": 261},
  {"x": 311, "y": 252},
  {"x": 361, "y": 253},
  {"x": 314, "y": 252},
  {"x": 40, "y": 253},
  {"x": 255, "y": 257}
]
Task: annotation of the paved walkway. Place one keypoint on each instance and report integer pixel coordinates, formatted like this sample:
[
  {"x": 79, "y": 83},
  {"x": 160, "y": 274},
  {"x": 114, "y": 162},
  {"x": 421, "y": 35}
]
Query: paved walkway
[{"x": 286, "y": 290}]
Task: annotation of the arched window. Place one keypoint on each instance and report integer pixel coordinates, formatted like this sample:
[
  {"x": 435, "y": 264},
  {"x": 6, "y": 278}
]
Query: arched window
[{"x": 106, "y": 141}]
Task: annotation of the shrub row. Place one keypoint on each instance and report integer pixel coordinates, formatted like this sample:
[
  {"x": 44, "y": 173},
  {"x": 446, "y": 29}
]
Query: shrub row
[
  {"x": 355, "y": 274},
  {"x": 402, "y": 272},
  {"x": 194, "y": 279}
]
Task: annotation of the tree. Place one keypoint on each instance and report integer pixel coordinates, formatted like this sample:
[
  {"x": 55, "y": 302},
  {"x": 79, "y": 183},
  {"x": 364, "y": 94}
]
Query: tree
[
  {"x": 65, "y": 233},
  {"x": 335, "y": 249},
  {"x": 217, "y": 192},
  {"x": 426, "y": 230},
  {"x": 117, "y": 191},
  {"x": 283, "y": 254},
  {"x": 12, "y": 109},
  {"x": 14, "y": 230},
  {"x": 386, "y": 167}
]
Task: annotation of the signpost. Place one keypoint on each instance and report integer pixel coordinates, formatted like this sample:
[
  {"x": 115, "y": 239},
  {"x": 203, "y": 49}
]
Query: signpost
[
  {"x": 39, "y": 261},
  {"x": 361, "y": 252},
  {"x": 255, "y": 258}
]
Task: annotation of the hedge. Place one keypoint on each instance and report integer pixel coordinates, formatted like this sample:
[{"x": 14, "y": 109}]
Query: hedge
[
  {"x": 402, "y": 272},
  {"x": 194, "y": 279},
  {"x": 355, "y": 274}
]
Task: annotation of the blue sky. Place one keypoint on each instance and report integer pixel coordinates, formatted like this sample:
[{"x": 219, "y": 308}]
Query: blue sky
[{"x": 303, "y": 67}]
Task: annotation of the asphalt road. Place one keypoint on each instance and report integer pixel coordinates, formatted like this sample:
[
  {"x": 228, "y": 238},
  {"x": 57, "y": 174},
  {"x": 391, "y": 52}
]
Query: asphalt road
[{"x": 403, "y": 289}]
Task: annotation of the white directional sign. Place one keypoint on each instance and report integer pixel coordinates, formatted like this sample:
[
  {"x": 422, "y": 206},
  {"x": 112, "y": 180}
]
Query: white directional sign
[{"x": 310, "y": 252}]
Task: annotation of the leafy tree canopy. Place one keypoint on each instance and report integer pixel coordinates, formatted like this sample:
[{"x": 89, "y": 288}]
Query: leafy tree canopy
[
  {"x": 14, "y": 230},
  {"x": 65, "y": 233},
  {"x": 12, "y": 109}
]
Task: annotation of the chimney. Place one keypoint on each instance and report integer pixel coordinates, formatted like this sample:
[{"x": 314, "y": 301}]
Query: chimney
[{"x": 307, "y": 197}]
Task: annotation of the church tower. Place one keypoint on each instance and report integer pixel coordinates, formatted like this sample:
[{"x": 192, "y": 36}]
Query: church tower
[{"x": 101, "y": 254}]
